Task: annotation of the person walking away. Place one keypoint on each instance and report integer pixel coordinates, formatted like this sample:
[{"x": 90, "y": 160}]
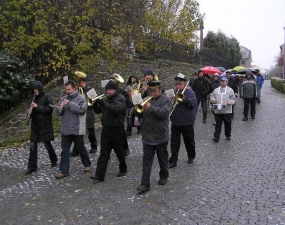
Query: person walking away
[
  {"x": 112, "y": 135},
  {"x": 232, "y": 83},
  {"x": 248, "y": 92},
  {"x": 182, "y": 120},
  {"x": 90, "y": 121},
  {"x": 224, "y": 98},
  {"x": 155, "y": 134},
  {"x": 72, "y": 109},
  {"x": 260, "y": 81},
  {"x": 201, "y": 87},
  {"x": 41, "y": 127}
]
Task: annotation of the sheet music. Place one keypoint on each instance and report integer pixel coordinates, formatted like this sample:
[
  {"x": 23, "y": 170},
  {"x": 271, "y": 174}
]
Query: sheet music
[
  {"x": 104, "y": 83},
  {"x": 137, "y": 98},
  {"x": 65, "y": 79},
  {"x": 92, "y": 93},
  {"x": 169, "y": 93}
]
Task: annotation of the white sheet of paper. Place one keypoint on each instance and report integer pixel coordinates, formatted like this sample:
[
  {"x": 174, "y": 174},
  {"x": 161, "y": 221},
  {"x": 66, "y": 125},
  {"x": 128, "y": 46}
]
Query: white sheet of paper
[
  {"x": 65, "y": 79},
  {"x": 92, "y": 93},
  {"x": 169, "y": 93},
  {"x": 104, "y": 82},
  {"x": 137, "y": 99}
]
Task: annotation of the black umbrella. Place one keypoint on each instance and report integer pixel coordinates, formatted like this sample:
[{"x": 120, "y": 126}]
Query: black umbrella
[
  {"x": 243, "y": 71},
  {"x": 222, "y": 69}
]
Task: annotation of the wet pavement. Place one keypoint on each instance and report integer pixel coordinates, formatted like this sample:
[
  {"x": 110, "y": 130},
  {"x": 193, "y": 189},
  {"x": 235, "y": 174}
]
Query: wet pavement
[{"x": 240, "y": 181}]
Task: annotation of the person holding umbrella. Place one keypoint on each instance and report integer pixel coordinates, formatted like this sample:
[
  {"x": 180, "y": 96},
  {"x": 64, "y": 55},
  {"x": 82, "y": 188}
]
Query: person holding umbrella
[{"x": 233, "y": 85}]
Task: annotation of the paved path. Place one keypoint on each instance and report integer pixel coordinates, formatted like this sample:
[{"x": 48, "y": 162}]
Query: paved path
[{"x": 231, "y": 182}]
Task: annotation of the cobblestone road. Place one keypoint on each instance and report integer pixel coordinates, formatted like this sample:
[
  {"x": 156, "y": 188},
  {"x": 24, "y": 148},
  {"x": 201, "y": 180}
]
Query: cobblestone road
[{"x": 231, "y": 182}]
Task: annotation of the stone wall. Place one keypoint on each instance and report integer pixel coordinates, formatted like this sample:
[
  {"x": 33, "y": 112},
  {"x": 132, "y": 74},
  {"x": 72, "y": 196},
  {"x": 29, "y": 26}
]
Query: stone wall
[{"x": 12, "y": 126}]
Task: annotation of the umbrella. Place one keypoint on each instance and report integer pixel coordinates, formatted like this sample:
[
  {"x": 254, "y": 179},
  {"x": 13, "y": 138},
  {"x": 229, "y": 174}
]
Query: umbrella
[
  {"x": 222, "y": 69},
  {"x": 243, "y": 71},
  {"x": 210, "y": 70},
  {"x": 237, "y": 68}
]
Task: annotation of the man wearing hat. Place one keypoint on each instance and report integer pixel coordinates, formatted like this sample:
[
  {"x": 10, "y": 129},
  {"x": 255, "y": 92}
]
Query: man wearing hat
[
  {"x": 113, "y": 109},
  {"x": 90, "y": 120},
  {"x": 201, "y": 87},
  {"x": 182, "y": 118},
  {"x": 194, "y": 76},
  {"x": 223, "y": 99},
  {"x": 248, "y": 92},
  {"x": 149, "y": 75},
  {"x": 233, "y": 85},
  {"x": 155, "y": 134}
]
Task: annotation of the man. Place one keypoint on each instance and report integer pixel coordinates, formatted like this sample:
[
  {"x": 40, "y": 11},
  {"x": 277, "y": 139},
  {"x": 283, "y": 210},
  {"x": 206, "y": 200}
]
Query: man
[
  {"x": 248, "y": 92},
  {"x": 213, "y": 85},
  {"x": 224, "y": 98},
  {"x": 201, "y": 87},
  {"x": 260, "y": 81},
  {"x": 232, "y": 83},
  {"x": 132, "y": 119},
  {"x": 72, "y": 109},
  {"x": 182, "y": 118},
  {"x": 155, "y": 134},
  {"x": 90, "y": 120},
  {"x": 148, "y": 76},
  {"x": 113, "y": 132},
  {"x": 194, "y": 77},
  {"x": 41, "y": 128}
]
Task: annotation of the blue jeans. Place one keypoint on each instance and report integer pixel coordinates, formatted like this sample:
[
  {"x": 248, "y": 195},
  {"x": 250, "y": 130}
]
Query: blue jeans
[
  {"x": 65, "y": 146},
  {"x": 259, "y": 94},
  {"x": 204, "y": 107}
]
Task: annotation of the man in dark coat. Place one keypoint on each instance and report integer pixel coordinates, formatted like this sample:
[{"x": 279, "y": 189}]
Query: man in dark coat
[
  {"x": 194, "y": 77},
  {"x": 41, "y": 127},
  {"x": 232, "y": 83},
  {"x": 90, "y": 120},
  {"x": 201, "y": 87}
]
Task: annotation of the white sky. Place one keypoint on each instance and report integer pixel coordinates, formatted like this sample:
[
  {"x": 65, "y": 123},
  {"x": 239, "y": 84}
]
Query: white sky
[{"x": 256, "y": 24}]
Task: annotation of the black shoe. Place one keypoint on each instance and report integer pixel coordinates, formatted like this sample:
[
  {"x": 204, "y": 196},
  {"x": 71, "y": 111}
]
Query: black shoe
[
  {"x": 214, "y": 123},
  {"x": 30, "y": 171},
  {"x": 97, "y": 179},
  {"x": 53, "y": 165},
  {"x": 93, "y": 150},
  {"x": 173, "y": 164},
  {"x": 127, "y": 152},
  {"x": 74, "y": 154},
  {"x": 121, "y": 174},
  {"x": 128, "y": 133},
  {"x": 143, "y": 188},
  {"x": 258, "y": 102},
  {"x": 190, "y": 161},
  {"x": 215, "y": 140},
  {"x": 162, "y": 181},
  {"x": 228, "y": 138},
  {"x": 245, "y": 119}
]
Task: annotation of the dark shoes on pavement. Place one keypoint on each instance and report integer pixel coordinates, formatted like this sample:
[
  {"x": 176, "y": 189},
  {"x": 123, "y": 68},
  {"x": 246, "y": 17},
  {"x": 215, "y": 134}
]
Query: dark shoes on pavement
[
  {"x": 204, "y": 121},
  {"x": 30, "y": 171},
  {"x": 228, "y": 138},
  {"x": 173, "y": 164},
  {"x": 190, "y": 161},
  {"x": 215, "y": 140},
  {"x": 61, "y": 175},
  {"x": 143, "y": 188},
  {"x": 93, "y": 150},
  {"x": 53, "y": 165},
  {"x": 245, "y": 119},
  {"x": 162, "y": 181},
  {"x": 121, "y": 174},
  {"x": 96, "y": 179}
]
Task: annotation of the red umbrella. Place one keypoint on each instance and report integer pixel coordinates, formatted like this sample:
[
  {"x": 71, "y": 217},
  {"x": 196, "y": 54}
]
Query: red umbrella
[{"x": 210, "y": 70}]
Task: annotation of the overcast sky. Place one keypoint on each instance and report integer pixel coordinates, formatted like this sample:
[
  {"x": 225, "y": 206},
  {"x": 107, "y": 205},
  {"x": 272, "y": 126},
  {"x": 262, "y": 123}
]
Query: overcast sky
[{"x": 256, "y": 24}]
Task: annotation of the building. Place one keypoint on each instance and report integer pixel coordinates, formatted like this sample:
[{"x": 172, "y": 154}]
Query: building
[{"x": 246, "y": 57}]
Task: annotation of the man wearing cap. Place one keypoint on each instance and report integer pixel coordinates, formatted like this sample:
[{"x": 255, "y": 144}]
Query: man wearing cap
[
  {"x": 182, "y": 118},
  {"x": 201, "y": 87},
  {"x": 194, "y": 77},
  {"x": 155, "y": 134},
  {"x": 149, "y": 75},
  {"x": 233, "y": 85},
  {"x": 90, "y": 120},
  {"x": 223, "y": 98},
  {"x": 248, "y": 92},
  {"x": 260, "y": 81},
  {"x": 73, "y": 109},
  {"x": 113, "y": 109}
]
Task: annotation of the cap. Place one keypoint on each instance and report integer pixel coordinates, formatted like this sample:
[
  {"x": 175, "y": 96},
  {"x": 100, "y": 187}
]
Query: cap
[
  {"x": 148, "y": 72},
  {"x": 111, "y": 77},
  {"x": 216, "y": 74},
  {"x": 180, "y": 77},
  {"x": 224, "y": 78},
  {"x": 248, "y": 72},
  {"x": 111, "y": 85},
  {"x": 152, "y": 85},
  {"x": 200, "y": 71},
  {"x": 228, "y": 72},
  {"x": 195, "y": 73}
]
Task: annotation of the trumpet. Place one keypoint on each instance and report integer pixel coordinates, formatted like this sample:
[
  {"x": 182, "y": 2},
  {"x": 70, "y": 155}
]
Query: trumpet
[
  {"x": 91, "y": 101},
  {"x": 179, "y": 97},
  {"x": 139, "y": 107}
]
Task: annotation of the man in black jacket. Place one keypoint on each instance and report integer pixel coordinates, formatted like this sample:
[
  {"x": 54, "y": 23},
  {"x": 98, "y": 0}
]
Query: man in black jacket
[
  {"x": 41, "y": 127},
  {"x": 90, "y": 120},
  {"x": 183, "y": 118},
  {"x": 232, "y": 83},
  {"x": 113, "y": 132},
  {"x": 201, "y": 87}
]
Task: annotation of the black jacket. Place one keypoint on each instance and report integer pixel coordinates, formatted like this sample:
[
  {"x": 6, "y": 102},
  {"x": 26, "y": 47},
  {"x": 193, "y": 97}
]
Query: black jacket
[
  {"x": 232, "y": 83},
  {"x": 201, "y": 87},
  {"x": 41, "y": 126},
  {"x": 214, "y": 84}
]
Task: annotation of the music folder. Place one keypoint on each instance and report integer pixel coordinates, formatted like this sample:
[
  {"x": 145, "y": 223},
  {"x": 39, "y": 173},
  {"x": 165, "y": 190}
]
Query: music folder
[
  {"x": 92, "y": 93},
  {"x": 137, "y": 99}
]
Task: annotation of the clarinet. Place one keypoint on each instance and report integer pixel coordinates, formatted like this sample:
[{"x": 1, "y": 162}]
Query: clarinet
[{"x": 30, "y": 112}]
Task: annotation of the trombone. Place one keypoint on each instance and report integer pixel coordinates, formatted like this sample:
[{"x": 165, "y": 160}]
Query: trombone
[
  {"x": 139, "y": 107},
  {"x": 91, "y": 101},
  {"x": 79, "y": 76},
  {"x": 179, "y": 97}
]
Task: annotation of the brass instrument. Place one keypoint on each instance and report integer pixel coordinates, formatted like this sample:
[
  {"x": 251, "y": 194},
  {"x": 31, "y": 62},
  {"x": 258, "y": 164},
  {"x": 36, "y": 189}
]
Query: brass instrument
[
  {"x": 30, "y": 112},
  {"x": 139, "y": 107},
  {"x": 118, "y": 78},
  {"x": 179, "y": 97},
  {"x": 79, "y": 76},
  {"x": 91, "y": 101}
]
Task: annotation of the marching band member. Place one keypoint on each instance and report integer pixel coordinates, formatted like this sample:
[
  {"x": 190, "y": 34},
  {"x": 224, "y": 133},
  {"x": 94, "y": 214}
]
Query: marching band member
[
  {"x": 113, "y": 109},
  {"x": 155, "y": 134},
  {"x": 73, "y": 109},
  {"x": 183, "y": 118}
]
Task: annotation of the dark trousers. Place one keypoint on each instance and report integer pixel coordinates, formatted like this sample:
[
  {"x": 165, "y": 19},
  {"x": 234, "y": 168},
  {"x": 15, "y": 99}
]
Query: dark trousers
[
  {"x": 148, "y": 156},
  {"x": 204, "y": 107},
  {"x": 246, "y": 102},
  {"x": 111, "y": 139},
  {"x": 92, "y": 139},
  {"x": 188, "y": 138},
  {"x": 33, "y": 157},
  {"x": 220, "y": 118},
  {"x": 66, "y": 141}
]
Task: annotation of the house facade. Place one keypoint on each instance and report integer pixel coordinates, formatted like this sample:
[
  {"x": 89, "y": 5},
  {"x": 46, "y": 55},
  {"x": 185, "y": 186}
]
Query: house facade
[{"x": 246, "y": 57}]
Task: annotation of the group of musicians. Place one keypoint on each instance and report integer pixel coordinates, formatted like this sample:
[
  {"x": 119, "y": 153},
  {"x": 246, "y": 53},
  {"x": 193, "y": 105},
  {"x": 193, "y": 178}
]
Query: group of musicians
[{"x": 151, "y": 119}]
